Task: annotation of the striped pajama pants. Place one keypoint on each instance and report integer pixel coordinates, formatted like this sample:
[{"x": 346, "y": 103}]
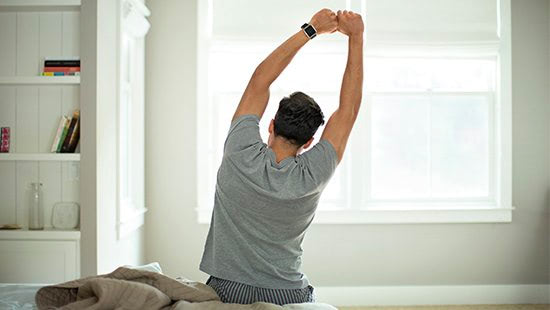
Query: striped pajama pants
[{"x": 239, "y": 293}]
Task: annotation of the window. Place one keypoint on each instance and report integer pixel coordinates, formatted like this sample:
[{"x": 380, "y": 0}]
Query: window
[
  {"x": 133, "y": 28},
  {"x": 431, "y": 143}
]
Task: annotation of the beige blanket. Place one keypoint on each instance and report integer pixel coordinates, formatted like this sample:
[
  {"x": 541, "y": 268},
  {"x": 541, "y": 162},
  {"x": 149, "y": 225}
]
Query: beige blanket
[{"x": 127, "y": 288}]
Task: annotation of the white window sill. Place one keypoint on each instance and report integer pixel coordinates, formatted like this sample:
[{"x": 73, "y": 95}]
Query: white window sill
[{"x": 401, "y": 216}]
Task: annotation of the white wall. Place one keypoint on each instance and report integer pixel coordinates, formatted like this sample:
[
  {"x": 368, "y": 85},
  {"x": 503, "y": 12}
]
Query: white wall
[
  {"x": 353, "y": 255},
  {"x": 102, "y": 251},
  {"x": 531, "y": 110}
]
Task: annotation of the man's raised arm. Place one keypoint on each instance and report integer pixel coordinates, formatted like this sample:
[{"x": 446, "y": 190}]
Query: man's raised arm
[
  {"x": 256, "y": 95},
  {"x": 339, "y": 125}
]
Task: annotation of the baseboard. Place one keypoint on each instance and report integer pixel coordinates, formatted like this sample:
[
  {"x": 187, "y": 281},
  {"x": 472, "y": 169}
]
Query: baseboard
[{"x": 434, "y": 295}]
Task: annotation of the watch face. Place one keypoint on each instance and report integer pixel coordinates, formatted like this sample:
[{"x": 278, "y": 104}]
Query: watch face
[{"x": 310, "y": 30}]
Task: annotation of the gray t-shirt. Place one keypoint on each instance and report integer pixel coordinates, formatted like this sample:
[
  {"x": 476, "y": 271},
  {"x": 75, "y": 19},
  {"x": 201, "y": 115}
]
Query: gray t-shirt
[{"x": 262, "y": 209}]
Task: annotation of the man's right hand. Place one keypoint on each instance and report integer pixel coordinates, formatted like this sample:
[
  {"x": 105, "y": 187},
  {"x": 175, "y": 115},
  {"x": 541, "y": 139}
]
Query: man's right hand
[{"x": 350, "y": 23}]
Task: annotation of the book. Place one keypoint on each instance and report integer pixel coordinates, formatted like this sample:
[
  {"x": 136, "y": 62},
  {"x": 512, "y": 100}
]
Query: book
[
  {"x": 61, "y": 73},
  {"x": 62, "y": 58},
  {"x": 71, "y": 133},
  {"x": 4, "y": 140},
  {"x": 61, "y": 69},
  {"x": 59, "y": 133},
  {"x": 62, "y": 63},
  {"x": 75, "y": 137},
  {"x": 63, "y": 135}
]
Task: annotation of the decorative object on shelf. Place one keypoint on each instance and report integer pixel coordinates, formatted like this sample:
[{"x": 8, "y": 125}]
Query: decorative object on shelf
[
  {"x": 68, "y": 134},
  {"x": 61, "y": 66},
  {"x": 5, "y": 140},
  {"x": 36, "y": 208},
  {"x": 10, "y": 227},
  {"x": 65, "y": 215}
]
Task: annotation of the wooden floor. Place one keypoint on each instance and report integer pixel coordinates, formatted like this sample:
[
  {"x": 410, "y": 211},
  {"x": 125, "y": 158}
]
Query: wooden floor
[{"x": 472, "y": 307}]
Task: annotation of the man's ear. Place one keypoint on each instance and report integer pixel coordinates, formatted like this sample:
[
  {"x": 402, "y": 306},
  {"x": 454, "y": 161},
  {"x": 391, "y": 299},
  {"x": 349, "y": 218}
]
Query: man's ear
[
  {"x": 308, "y": 143},
  {"x": 271, "y": 126}
]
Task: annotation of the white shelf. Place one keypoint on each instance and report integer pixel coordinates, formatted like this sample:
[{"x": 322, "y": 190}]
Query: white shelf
[
  {"x": 40, "y": 156},
  {"x": 39, "y": 80},
  {"x": 39, "y": 4},
  {"x": 46, "y": 234}
]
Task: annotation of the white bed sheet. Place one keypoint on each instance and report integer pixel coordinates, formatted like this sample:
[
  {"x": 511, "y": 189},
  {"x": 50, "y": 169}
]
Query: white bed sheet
[{"x": 18, "y": 296}]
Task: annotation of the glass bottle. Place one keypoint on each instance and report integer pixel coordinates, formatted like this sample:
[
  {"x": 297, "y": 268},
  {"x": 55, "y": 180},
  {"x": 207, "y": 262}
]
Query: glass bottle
[{"x": 36, "y": 209}]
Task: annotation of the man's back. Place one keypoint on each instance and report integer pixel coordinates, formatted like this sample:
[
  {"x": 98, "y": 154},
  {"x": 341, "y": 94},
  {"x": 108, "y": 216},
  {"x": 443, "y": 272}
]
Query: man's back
[{"x": 262, "y": 209}]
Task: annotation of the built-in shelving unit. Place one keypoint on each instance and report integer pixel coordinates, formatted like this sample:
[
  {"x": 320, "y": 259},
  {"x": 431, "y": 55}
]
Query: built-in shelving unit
[
  {"x": 40, "y": 157},
  {"x": 32, "y": 106},
  {"x": 39, "y": 80}
]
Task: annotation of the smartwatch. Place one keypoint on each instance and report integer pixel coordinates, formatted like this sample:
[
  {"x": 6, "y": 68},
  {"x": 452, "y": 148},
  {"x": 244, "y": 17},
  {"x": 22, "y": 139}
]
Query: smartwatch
[{"x": 309, "y": 30}]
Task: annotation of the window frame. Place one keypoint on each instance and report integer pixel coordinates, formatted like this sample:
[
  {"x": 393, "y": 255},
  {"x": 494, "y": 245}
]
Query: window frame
[
  {"x": 499, "y": 210},
  {"x": 130, "y": 174}
]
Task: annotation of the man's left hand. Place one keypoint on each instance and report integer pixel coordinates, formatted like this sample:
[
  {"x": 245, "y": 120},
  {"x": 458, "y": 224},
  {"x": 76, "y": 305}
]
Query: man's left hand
[{"x": 325, "y": 21}]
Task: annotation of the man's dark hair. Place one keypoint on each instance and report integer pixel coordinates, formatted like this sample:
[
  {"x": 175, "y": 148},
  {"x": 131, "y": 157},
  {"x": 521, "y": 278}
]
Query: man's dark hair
[{"x": 298, "y": 118}]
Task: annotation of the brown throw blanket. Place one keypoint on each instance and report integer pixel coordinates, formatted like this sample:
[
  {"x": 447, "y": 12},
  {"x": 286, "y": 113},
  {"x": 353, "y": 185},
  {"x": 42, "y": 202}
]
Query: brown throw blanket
[
  {"x": 123, "y": 288},
  {"x": 127, "y": 288}
]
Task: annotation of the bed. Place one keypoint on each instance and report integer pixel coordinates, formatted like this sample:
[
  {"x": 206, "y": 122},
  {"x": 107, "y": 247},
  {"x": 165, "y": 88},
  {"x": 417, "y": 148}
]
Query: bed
[
  {"x": 22, "y": 296},
  {"x": 191, "y": 295},
  {"x": 18, "y": 296}
]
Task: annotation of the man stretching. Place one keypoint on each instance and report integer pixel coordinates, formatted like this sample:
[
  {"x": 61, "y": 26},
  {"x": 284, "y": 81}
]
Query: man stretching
[{"x": 266, "y": 195}]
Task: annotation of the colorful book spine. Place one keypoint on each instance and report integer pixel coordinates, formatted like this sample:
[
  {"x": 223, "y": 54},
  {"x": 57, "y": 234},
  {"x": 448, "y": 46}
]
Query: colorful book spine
[
  {"x": 59, "y": 133},
  {"x": 63, "y": 135},
  {"x": 62, "y": 63},
  {"x": 61, "y": 66},
  {"x": 75, "y": 135},
  {"x": 4, "y": 140},
  {"x": 71, "y": 132},
  {"x": 61, "y": 69},
  {"x": 61, "y": 73}
]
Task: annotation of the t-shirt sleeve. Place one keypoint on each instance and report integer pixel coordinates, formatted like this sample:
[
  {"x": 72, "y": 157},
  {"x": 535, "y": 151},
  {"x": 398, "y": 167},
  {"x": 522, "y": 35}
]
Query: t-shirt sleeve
[
  {"x": 243, "y": 133},
  {"x": 321, "y": 161}
]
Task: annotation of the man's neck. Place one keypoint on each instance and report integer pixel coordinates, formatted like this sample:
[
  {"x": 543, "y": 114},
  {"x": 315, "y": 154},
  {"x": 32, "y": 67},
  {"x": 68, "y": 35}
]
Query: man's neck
[{"x": 283, "y": 149}]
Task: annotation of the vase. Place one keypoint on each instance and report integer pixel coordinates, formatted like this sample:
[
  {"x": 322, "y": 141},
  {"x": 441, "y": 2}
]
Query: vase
[{"x": 36, "y": 208}]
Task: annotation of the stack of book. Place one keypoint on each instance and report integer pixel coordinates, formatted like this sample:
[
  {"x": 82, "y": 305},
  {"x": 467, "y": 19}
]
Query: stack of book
[
  {"x": 59, "y": 66},
  {"x": 68, "y": 134}
]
